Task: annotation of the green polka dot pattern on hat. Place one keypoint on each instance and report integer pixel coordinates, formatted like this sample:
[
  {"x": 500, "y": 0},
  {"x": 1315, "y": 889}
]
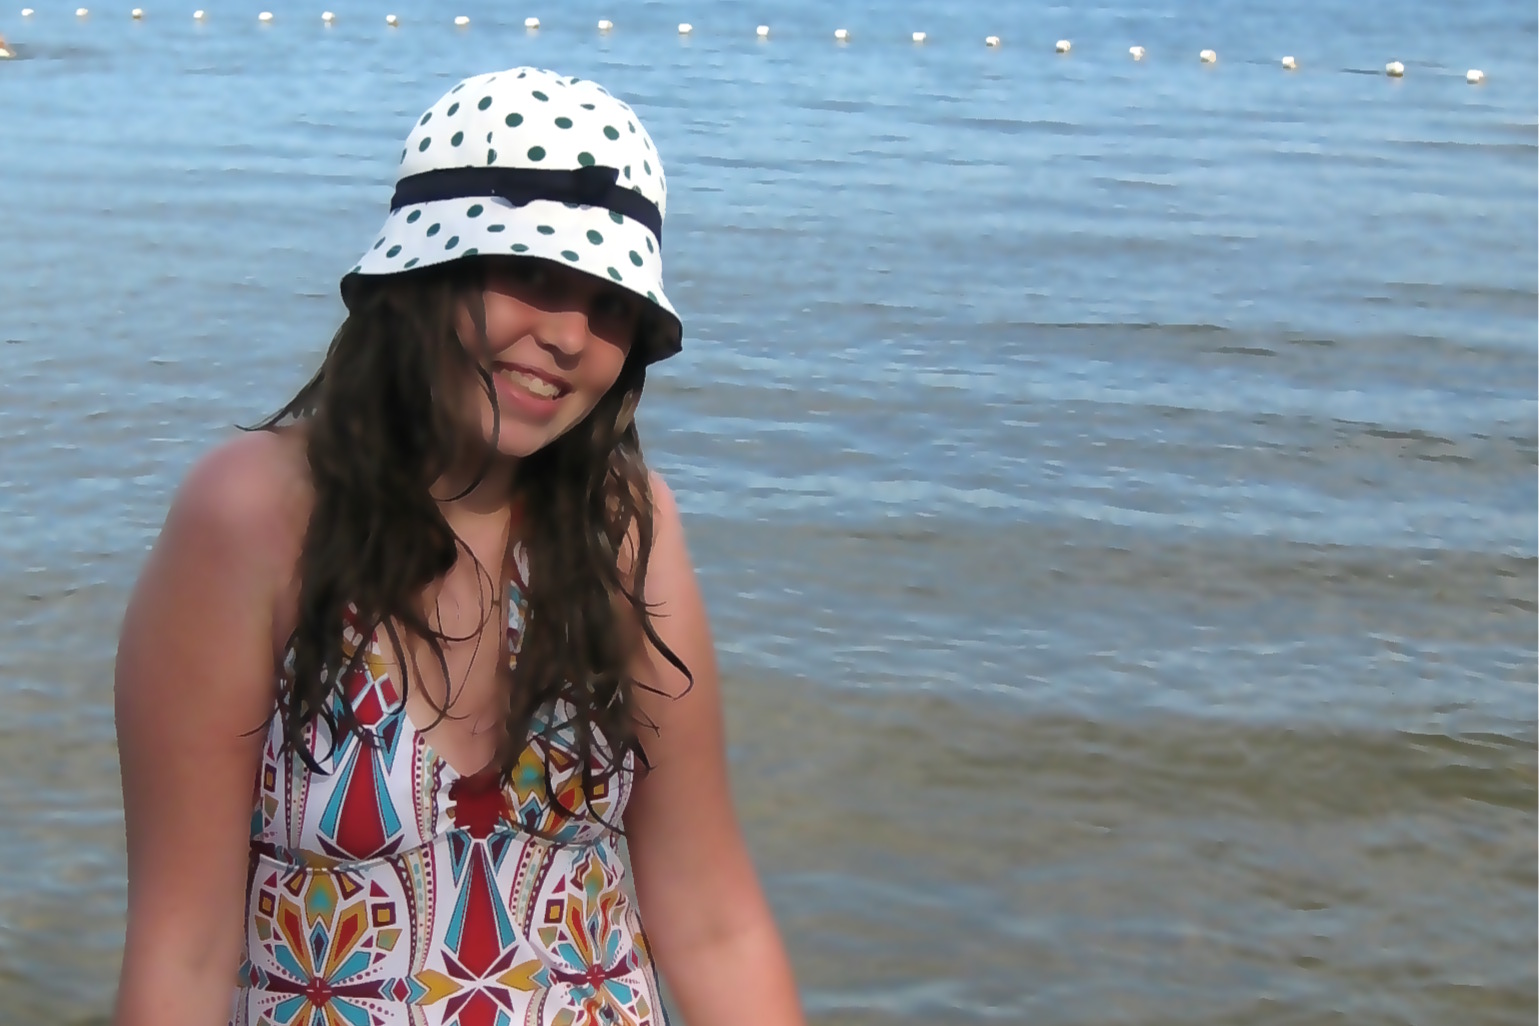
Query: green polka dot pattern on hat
[{"x": 539, "y": 120}]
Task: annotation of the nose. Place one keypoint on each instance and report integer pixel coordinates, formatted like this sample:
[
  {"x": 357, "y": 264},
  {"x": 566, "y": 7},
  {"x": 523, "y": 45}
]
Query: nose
[{"x": 565, "y": 332}]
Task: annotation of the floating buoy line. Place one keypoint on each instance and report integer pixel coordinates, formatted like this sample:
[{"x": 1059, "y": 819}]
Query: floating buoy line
[{"x": 1392, "y": 69}]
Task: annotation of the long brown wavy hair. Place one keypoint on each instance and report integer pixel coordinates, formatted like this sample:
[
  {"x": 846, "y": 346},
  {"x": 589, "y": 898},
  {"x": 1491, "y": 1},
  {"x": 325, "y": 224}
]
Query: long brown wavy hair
[{"x": 384, "y": 424}]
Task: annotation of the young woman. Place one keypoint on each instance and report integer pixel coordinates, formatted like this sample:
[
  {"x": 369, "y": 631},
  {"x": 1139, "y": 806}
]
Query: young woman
[{"x": 408, "y": 661}]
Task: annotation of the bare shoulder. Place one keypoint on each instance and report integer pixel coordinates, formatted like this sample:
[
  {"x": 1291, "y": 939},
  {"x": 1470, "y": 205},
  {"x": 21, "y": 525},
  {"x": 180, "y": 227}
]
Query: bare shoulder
[
  {"x": 252, "y": 492},
  {"x": 242, "y": 512},
  {"x": 665, "y": 508}
]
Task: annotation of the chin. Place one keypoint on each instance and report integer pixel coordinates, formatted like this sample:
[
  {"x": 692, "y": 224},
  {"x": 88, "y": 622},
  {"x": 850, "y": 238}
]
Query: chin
[
  {"x": 517, "y": 445},
  {"x": 517, "y": 441}
]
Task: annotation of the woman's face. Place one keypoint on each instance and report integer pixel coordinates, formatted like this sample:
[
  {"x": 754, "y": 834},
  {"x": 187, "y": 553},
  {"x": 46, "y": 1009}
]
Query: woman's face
[{"x": 556, "y": 340}]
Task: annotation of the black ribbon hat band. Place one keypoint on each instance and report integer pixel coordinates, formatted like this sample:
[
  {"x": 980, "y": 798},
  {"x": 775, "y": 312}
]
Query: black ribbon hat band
[{"x": 594, "y": 186}]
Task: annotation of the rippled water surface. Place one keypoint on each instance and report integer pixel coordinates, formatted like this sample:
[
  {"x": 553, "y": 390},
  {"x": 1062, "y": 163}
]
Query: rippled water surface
[{"x": 1114, "y": 483}]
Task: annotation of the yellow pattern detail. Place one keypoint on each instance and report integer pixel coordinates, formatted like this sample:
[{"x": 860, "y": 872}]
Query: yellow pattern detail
[{"x": 438, "y": 985}]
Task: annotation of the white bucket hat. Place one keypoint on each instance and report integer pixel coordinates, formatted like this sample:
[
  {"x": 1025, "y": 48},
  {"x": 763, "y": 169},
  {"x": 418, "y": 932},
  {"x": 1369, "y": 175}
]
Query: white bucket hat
[{"x": 529, "y": 163}]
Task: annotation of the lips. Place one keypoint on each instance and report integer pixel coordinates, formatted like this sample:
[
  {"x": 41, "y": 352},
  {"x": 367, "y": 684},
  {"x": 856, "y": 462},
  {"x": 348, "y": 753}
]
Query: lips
[{"x": 532, "y": 380}]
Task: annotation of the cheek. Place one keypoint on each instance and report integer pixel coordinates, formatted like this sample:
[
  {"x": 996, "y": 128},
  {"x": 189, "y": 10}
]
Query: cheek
[
  {"x": 606, "y": 360},
  {"x": 505, "y": 319},
  {"x": 599, "y": 376}
]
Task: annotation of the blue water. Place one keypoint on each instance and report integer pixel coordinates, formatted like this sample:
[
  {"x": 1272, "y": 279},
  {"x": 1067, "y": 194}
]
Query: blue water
[{"x": 1113, "y": 482}]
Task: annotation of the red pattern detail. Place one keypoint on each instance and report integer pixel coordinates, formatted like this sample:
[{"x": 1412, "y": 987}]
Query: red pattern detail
[
  {"x": 348, "y": 932},
  {"x": 360, "y": 826},
  {"x": 595, "y": 975},
  {"x": 479, "y": 1009},
  {"x": 367, "y": 709},
  {"x": 479, "y": 804},
  {"x": 318, "y": 992},
  {"x": 479, "y": 945}
]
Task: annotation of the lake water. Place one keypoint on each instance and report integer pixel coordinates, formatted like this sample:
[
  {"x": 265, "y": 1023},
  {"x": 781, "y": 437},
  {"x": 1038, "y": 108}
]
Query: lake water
[{"x": 1113, "y": 482}]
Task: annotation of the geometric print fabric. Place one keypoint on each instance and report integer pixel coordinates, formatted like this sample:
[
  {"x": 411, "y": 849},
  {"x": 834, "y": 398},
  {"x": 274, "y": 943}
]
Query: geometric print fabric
[{"x": 394, "y": 892}]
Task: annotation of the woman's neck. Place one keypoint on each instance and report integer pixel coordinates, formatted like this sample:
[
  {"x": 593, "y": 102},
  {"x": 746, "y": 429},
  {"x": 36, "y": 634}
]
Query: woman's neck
[
  {"x": 477, "y": 490},
  {"x": 480, "y": 512}
]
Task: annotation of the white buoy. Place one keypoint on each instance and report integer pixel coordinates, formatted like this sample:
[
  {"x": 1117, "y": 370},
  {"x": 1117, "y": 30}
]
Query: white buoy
[
  {"x": 198, "y": 15},
  {"x": 26, "y": 12},
  {"x": 1474, "y": 76},
  {"x": 81, "y": 12},
  {"x": 1137, "y": 52},
  {"x": 137, "y": 13},
  {"x": 763, "y": 31},
  {"x": 605, "y": 25},
  {"x": 1063, "y": 46},
  {"x": 918, "y": 37},
  {"x": 1290, "y": 63},
  {"x": 1394, "y": 69},
  {"x": 685, "y": 28},
  {"x": 529, "y": 23},
  {"x": 392, "y": 20},
  {"x": 1208, "y": 57},
  {"x": 990, "y": 40},
  {"x": 461, "y": 20},
  {"x": 328, "y": 17},
  {"x": 265, "y": 16},
  {"x": 843, "y": 35}
]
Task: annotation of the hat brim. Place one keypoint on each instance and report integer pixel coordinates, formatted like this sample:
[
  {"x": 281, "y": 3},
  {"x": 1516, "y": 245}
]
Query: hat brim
[{"x": 593, "y": 240}]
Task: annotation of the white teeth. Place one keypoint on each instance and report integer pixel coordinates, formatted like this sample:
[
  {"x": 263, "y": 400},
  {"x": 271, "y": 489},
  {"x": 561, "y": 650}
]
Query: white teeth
[{"x": 533, "y": 385}]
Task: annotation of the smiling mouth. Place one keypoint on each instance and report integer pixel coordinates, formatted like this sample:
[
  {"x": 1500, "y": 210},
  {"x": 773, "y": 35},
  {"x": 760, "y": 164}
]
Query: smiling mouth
[{"x": 536, "y": 385}]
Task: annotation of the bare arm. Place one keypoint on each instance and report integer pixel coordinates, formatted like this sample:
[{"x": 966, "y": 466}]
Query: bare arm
[
  {"x": 194, "y": 676},
  {"x": 711, "y": 929}
]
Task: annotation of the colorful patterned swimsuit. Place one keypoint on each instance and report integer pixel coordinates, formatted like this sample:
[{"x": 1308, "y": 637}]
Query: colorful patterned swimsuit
[{"x": 395, "y": 892}]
